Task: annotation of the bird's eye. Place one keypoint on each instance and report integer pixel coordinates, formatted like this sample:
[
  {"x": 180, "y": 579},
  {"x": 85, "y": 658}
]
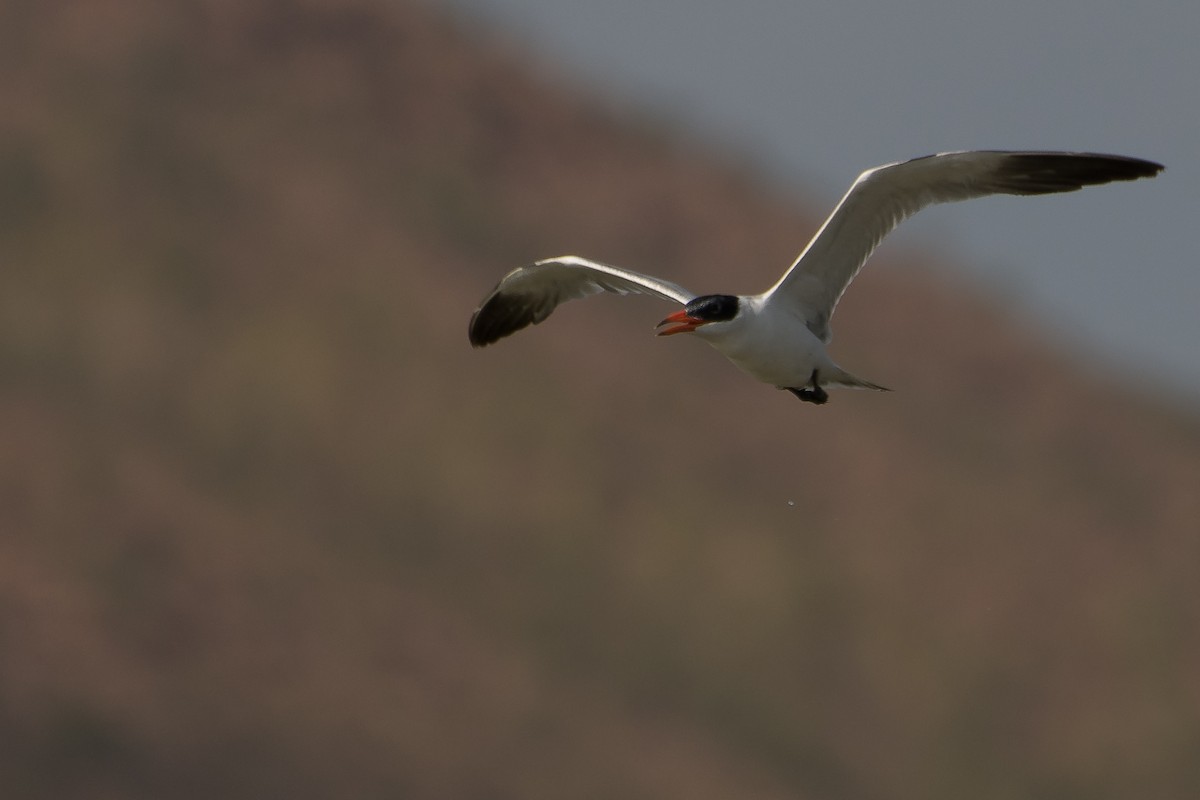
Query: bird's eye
[{"x": 713, "y": 307}]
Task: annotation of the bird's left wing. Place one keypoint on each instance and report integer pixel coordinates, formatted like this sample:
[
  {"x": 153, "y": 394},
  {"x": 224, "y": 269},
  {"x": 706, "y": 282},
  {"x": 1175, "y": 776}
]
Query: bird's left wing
[{"x": 527, "y": 295}]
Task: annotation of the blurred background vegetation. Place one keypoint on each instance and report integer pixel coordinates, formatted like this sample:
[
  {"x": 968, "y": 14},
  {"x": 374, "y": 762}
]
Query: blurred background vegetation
[{"x": 269, "y": 527}]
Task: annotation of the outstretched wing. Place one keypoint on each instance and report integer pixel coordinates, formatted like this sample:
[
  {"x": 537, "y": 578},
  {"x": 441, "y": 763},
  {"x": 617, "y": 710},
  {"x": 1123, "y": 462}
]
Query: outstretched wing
[
  {"x": 527, "y": 295},
  {"x": 885, "y": 196}
]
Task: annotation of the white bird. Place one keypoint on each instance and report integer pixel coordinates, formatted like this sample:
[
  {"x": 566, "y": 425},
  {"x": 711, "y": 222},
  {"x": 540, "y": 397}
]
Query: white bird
[{"x": 780, "y": 335}]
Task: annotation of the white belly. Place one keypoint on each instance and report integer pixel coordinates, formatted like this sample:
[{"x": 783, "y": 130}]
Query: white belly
[{"x": 782, "y": 353}]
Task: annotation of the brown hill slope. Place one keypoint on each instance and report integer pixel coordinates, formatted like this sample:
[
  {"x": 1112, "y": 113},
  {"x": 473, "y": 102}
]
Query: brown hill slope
[{"x": 271, "y": 528}]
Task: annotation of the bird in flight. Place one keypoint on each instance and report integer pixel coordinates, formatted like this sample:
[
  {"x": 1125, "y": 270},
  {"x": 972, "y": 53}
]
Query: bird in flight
[{"x": 780, "y": 336}]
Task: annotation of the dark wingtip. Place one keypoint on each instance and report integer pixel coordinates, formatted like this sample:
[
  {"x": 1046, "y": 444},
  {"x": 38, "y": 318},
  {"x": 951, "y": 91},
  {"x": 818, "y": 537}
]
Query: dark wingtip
[
  {"x": 475, "y": 333},
  {"x": 1118, "y": 168},
  {"x": 1148, "y": 168},
  {"x": 499, "y": 315},
  {"x": 483, "y": 329},
  {"x": 1035, "y": 173}
]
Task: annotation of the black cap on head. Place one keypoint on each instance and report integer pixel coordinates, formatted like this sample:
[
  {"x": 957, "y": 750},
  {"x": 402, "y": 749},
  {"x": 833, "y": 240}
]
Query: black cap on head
[{"x": 713, "y": 307}]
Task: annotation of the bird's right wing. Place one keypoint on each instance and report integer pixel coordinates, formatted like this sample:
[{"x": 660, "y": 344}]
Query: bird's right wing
[
  {"x": 885, "y": 196},
  {"x": 527, "y": 295}
]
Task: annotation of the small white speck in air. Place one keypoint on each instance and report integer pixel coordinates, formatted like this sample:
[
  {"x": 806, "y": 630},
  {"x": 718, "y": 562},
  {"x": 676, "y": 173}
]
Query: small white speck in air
[{"x": 792, "y": 503}]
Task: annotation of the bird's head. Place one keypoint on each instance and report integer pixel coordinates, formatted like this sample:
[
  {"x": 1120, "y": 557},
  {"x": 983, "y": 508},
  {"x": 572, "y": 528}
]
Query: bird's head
[{"x": 704, "y": 310}]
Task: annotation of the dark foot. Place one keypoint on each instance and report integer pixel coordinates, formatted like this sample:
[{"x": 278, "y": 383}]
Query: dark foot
[
  {"x": 818, "y": 396},
  {"x": 813, "y": 393}
]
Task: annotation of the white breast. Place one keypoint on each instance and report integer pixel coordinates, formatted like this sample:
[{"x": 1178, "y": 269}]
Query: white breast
[{"x": 773, "y": 345}]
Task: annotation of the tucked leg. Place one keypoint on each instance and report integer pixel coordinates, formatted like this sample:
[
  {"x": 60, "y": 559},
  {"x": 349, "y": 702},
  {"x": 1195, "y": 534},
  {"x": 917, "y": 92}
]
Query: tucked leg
[{"x": 812, "y": 393}]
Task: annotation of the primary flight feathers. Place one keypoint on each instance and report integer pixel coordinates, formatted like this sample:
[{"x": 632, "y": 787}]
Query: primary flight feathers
[{"x": 758, "y": 332}]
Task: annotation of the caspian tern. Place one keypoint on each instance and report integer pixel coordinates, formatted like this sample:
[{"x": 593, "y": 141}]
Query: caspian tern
[{"x": 780, "y": 335}]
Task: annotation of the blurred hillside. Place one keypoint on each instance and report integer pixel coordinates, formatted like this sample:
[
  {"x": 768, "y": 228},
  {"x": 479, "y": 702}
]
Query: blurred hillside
[{"x": 271, "y": 528}]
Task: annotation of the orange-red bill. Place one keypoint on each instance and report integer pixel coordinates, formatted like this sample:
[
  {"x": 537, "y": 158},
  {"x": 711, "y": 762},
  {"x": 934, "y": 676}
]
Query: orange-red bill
[{"x": 680, "y": 323}]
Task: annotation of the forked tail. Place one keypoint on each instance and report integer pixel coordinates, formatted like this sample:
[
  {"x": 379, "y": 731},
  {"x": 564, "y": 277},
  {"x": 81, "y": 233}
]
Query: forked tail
[{"x": 843, "y": 378}]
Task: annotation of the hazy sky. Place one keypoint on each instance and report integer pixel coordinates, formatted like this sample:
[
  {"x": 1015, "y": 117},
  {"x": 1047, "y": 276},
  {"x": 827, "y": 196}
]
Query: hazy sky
[{"x": 812, "y": 94}]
